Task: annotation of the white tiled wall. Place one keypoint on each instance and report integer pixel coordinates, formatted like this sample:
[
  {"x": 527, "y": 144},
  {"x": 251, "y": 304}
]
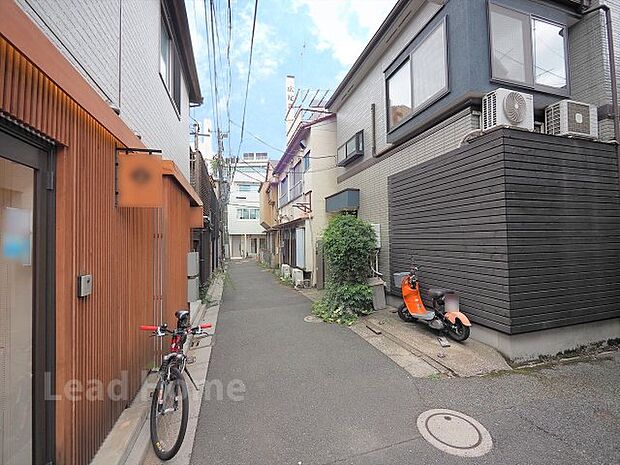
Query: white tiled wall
[{"x": 90, "y": 30}]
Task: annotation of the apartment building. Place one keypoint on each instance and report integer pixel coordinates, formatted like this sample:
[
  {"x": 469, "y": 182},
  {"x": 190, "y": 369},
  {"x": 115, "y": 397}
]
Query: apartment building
[
  {"x": 245, "y": 234},
  {"x": 305, "y": 175},
  {"x": 521, "y": 223},
  {"x": 96, "y": 211}
]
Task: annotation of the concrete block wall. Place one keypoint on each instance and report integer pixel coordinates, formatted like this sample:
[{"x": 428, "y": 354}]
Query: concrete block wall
[
  {"x": 90, "y": 31},
  {"x": 373, "y": 181}
]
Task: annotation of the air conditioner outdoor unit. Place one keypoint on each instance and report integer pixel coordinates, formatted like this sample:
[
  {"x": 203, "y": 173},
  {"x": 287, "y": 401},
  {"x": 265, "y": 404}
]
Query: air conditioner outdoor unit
[
  {"x": 570, "y": 118},
  {"x": 285, "y": 270},
  {"x": 297, "y": 276},
  {"x": 505, "y": 107}
]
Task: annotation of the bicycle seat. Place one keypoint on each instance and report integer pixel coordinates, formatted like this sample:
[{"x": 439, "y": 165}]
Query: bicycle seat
[{"x": 438, "y": 293}]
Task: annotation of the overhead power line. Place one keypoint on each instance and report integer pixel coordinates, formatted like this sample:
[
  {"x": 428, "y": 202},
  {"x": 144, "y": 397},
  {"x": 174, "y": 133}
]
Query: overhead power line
[{"x": 247, "y": 84}]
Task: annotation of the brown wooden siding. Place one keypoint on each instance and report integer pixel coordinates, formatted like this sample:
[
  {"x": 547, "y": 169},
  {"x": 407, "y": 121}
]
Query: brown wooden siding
[
  {"x": 525, "y": 227},
  {"x": 177, "y": 215},
  {"x": 97, "y": 336}
]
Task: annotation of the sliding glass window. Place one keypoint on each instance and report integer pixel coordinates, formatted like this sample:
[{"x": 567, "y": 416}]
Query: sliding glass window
[
  {"x": 430, "y": 68},
  {"x": 399, "y": 94},
  {"x": 420, "y": 79},
  {"x": 527, "y": 50}
]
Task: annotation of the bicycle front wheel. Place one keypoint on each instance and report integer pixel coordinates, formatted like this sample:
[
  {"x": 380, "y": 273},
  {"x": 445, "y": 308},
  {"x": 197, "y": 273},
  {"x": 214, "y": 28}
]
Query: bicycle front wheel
[{"x": 169, "y": 414}]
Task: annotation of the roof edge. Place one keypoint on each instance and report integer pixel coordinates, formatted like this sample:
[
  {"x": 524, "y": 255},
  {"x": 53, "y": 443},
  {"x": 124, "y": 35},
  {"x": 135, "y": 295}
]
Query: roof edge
[{"x": 376, "y": 38}]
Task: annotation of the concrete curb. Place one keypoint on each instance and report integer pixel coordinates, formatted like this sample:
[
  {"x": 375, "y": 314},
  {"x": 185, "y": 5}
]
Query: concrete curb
[{"x": 129, "y": 441}]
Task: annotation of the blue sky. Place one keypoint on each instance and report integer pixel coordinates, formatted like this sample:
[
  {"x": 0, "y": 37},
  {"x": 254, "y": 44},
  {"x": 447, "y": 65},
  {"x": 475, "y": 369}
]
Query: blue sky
[{"x": 315, "y": 40}]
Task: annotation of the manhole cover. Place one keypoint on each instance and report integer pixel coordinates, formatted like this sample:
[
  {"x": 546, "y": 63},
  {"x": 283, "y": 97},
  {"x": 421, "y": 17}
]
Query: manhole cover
[
  {"x": 454, "y": 433},
  {"x": 312, "y": 319}
]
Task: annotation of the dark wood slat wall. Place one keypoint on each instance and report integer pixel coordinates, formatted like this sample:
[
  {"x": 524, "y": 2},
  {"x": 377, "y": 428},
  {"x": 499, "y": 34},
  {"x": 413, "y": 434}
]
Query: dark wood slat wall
[
  {"x": 98, "y": 336},
  {"x": 563, "y": 204},
  {"x": 525, "y": 227},
  {"x": 450, "y": 214}
]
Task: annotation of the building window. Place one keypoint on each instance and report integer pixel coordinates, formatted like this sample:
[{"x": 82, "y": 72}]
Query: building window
[
  {"x": 283, "y": 191},
  {"x": 247, "y": 213},
  {"x": 256, "y": 170},
  {"x": 169, "y": 64},
  {"x": 296, "y": 182},
  {"x": 527, "y": 50},
  {"x": 421, "y": 78},
  {"x": 306, "y": 162},
  {"x": 248, "y": 187},
  {"x": 351, "y": 149},
  {"x": 399, "y": 94},
  {"x": 164, "y": 55},
  {"x": 429, "y": 66},
  {"x": 549, "y": 54}
]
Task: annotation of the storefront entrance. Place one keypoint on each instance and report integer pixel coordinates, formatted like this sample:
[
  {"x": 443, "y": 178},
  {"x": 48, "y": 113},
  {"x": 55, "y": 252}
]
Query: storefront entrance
[{"x": 26, "y": 299}]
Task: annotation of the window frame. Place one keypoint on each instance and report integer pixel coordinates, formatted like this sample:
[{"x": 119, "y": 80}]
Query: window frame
[
  {"x": 306, "y": 161},
  {"x": 247, "y": 187},
  {"x": 359, "y": 149},
  {"x": 531, "y": 50},
  {"x": 296, "y": 174},
  {"x": 283, "y": 191},
  {"x": 408, "y": 57},
  {"x": 173, "y": 80},
  {"x": 406, "y": 61},
  {"x": 248, "y": 210}
]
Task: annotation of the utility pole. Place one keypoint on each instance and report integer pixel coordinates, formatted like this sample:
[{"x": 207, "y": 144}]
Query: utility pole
[{"x": 224, "y": 188}]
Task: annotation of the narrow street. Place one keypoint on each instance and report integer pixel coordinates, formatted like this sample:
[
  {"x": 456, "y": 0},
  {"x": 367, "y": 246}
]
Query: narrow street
[{"x": 319, "y": 394}]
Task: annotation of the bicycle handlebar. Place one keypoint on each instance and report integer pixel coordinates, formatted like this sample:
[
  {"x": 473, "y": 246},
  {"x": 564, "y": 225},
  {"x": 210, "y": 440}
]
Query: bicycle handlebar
[{"x": 157, "y": 328}]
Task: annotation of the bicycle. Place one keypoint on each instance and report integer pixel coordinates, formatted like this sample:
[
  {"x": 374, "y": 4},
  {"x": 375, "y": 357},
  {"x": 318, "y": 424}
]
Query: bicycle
[{"x": 170, "y": 396}]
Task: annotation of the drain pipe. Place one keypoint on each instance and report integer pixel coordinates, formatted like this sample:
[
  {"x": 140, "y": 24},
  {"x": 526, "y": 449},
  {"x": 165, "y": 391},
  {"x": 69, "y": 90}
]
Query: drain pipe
[
  {"x": 612, "y": 71},
  {"x": 373, "y": 135}
]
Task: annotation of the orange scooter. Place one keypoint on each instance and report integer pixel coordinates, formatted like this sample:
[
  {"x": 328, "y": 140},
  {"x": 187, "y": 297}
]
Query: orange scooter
[{"x": 445, "y": 315}]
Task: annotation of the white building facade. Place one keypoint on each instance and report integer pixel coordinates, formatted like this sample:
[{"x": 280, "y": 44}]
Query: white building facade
[
  {"x": 138, "y": 57},
  {"x": 246, "y": 236},
  {"x": 307, "y": 174}
]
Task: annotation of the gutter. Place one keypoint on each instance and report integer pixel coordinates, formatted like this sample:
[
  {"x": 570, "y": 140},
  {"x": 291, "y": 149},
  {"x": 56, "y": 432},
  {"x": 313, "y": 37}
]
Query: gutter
[{"x": 612, "y": 72}]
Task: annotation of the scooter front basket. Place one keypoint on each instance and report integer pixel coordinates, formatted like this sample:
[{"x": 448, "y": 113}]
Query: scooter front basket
[{"x": 398, "y": 278}]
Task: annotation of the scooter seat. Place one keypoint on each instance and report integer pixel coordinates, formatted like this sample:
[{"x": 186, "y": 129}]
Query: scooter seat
[{"x": 438, "y": 293}]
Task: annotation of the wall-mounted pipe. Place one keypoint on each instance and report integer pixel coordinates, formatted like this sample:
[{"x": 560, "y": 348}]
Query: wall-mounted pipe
[{"x": 373, "y": 134}]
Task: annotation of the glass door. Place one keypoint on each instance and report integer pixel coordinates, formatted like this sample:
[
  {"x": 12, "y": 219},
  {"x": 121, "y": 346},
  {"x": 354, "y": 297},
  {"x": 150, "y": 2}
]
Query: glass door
[{"x": 17, "y": 187}]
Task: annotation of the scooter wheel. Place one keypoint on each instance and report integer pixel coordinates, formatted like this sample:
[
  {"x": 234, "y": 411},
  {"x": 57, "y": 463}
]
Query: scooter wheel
[
  {"x": 404, "y": 314},
  {"x": 459, "y": 332}
]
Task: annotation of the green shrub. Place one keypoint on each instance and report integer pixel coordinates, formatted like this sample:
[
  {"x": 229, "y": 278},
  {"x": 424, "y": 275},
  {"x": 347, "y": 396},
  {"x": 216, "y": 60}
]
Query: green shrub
[
  {"x": 348, "y": 245},
  {"x": 343, "y": 303}
]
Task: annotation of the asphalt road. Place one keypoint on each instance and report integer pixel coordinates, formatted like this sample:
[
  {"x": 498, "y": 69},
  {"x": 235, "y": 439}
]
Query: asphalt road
[{"x": 319, "y": 394}]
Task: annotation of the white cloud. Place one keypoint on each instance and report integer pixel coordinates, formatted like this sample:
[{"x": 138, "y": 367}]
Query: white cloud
[
  {"x": 344, "y": 27},
  {"x": 268, "y": 52}
]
